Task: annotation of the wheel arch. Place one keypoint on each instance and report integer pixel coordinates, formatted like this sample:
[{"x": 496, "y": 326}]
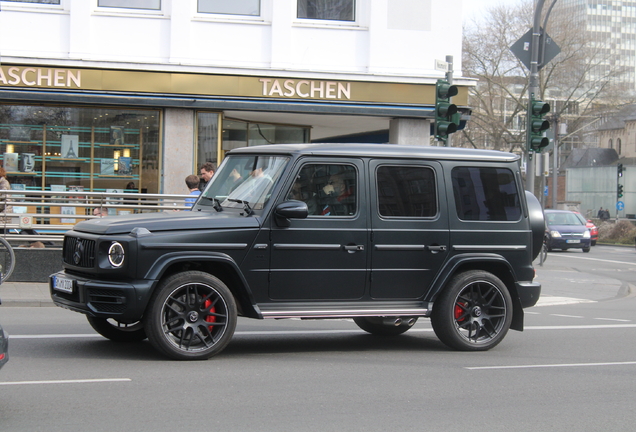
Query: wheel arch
[
  {"x": 216, "y": 264},
  {"x": 492, "y": 263}
]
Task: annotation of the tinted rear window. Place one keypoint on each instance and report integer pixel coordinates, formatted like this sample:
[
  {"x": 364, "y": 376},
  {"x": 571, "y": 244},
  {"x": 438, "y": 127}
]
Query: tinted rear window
[
  {"x": 486, "y": 194},
  {"x": 407, "y": 191}
]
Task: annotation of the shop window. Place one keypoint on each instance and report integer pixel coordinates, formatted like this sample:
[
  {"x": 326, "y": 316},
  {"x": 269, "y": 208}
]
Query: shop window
[
  {"x": 54, "y": 2},
  {"x": 234, "y": 7},
  {"x": 238, "y": 133},
  {"x": 131, "y": 4},
  {"x": 82, "y": 149},
  {"x": 335, "y": 10}
]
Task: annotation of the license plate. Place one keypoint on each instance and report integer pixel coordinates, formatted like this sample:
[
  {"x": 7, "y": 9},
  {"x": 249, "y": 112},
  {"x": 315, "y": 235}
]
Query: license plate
[
  {"x": 63, "y": 284},
  {"x": 574, "y": 241}
]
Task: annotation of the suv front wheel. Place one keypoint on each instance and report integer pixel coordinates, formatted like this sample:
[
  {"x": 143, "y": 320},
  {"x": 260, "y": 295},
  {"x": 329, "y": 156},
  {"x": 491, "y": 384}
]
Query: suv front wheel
[
  {"x": 473, "y": 313},
  {"x": 191, "y": 316}
]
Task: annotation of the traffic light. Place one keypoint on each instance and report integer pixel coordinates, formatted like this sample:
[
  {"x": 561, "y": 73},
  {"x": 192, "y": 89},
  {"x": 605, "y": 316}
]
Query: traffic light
[
  {"x": 619, "y": 191},
  {"x": 619, "y": 170},
  {"x": 446, "y": 115},
  {"x": 537, "y": 125}
]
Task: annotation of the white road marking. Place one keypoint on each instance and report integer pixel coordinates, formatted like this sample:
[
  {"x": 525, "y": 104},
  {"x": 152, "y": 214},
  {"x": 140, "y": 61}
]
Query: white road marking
[
  {"x": 612, "y": 319},
  {"x": 596, "y": 259},
  {"x": 84, "y": 381},
  {"x": 566, "y": 316},
  {"x": 552, "y": 365},
  {"x": 55, "y": 336},
  {"x": 554, "y": 301}
]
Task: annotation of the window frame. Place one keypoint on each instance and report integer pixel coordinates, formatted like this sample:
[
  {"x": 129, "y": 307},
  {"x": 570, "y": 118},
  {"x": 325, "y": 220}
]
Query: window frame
[{"x": 435, "y": 190}]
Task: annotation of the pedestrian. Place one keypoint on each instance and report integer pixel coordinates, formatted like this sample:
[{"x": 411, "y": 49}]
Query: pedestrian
[
  {"x": 100, "y": 212},
  {"x": 192, "y": 182},
  {"x": 206, "y": 171},
  {"x": 601, "y": 213}
]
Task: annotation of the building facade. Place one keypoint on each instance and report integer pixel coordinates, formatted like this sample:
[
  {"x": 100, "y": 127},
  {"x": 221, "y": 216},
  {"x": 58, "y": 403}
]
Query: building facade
[{"x": 136, "y": 94}]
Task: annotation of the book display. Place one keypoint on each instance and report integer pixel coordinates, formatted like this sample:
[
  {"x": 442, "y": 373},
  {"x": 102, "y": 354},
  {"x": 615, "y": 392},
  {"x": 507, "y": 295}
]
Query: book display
[{"x": 44, "y": 157}]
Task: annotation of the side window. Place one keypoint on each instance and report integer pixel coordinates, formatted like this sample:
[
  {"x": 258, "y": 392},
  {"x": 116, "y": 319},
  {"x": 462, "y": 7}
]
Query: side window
[
  {"x": 329, "y": 190},
  {"x": 131, "y": 4},
  {"x": 406, "y": 191},
  {"x": 234, "y": 7},
  {"x": 486, "y": 194}
]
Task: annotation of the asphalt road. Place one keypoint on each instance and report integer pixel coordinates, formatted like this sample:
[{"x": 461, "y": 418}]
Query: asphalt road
[{"x": 571, "y": 369}]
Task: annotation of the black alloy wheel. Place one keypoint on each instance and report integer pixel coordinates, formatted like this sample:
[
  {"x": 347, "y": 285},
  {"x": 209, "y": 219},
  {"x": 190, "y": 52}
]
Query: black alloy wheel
[
  {"x": 191, "y": 316},
  {"x": 473, "y": 313}
]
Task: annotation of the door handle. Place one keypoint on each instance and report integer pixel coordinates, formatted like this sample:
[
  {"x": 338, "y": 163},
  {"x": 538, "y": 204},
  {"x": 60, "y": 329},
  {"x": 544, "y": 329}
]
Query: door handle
[
  {"x": 354, "y": 248},
  {"x": 440, "y": 248}
]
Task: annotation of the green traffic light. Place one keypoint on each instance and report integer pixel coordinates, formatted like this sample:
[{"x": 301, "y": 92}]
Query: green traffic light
[
  {"x": 446, "y": 113},
  {"x": 445, "y": 128},
  {"x": 446, "y": 90},
  {"x": 446, "y": 109},
  {"x": 537, "y": 125}
]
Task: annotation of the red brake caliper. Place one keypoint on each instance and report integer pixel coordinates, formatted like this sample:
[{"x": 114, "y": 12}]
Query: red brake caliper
[
  {"x": 210, "y": 319},
  {"x": 459, "y": 311}
]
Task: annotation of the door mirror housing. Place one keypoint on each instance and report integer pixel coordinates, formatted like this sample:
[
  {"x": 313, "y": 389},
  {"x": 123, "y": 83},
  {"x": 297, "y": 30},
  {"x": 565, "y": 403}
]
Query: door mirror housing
[{"x": 290, "y": 210}]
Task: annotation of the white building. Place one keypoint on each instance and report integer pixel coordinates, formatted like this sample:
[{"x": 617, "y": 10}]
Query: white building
[{"x": 166, "y": 85}]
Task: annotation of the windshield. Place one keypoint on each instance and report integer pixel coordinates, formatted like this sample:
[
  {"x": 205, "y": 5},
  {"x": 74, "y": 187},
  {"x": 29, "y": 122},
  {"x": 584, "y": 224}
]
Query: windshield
[
  {"x": 563, "y": 219},
  {"x": 245, "y": 180}
]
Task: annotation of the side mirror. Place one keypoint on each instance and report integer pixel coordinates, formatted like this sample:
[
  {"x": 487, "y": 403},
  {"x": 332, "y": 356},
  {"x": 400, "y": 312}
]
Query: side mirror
[{"x": 290, "y": 210}]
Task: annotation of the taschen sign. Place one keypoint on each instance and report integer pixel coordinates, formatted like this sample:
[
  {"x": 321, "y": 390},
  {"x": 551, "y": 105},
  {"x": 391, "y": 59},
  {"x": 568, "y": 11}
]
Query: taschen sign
[{"x": 112, "y": 80}]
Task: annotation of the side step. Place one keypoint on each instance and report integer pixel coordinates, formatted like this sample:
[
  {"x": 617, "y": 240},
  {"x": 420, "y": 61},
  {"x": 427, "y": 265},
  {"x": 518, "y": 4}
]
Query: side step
[{"x": 343, "y": 310}]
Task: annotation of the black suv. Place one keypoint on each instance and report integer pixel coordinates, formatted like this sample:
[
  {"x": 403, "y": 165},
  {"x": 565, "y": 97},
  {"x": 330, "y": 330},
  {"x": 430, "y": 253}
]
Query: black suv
[{"x": 382, "y": 234}]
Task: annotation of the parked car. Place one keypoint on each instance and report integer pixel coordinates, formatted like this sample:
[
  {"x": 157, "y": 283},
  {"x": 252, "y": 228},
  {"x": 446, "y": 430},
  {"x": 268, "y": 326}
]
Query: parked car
[
  {"x": 4, "y": 346},
  {"x": 566, "y": 230},
  {"x": 381, "y": 234},
  {"x": 590, "y": 225}
]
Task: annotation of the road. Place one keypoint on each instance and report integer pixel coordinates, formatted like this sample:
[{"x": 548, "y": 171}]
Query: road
[{"x": 571, "y": 369}]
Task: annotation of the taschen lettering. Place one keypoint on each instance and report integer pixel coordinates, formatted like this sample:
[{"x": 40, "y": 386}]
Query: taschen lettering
[
  {"x": 31, "y": 77},
  {"x": 306, "y": 89}
]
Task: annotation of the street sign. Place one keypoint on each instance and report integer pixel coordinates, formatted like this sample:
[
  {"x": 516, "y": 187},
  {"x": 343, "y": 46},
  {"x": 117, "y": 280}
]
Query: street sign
[
  {"x": 441, "y": 65},
  {"x": 620, "y": 205},
  {"x": 548, "y": 49}
]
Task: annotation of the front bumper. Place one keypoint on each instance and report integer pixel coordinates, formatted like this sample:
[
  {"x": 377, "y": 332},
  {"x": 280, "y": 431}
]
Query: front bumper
[
  {"x": 123, "y": 301},
  {"x": 561, "y": 243}
]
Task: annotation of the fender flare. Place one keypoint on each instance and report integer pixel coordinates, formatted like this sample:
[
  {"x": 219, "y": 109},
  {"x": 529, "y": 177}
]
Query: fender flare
[
  {"x": 243, "y": 292},
  {"x": 470, "y": 260}
]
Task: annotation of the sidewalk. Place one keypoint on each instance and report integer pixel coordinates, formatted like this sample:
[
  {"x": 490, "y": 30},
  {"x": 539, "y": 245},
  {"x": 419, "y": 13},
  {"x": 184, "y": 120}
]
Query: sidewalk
[{"x": 25, "y": 294}]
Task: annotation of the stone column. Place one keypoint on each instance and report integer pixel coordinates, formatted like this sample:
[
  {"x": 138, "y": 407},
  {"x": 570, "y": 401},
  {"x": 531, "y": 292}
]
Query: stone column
[
  {"x": 410, "y": 131},
  {"x": 178, "y": 150}
]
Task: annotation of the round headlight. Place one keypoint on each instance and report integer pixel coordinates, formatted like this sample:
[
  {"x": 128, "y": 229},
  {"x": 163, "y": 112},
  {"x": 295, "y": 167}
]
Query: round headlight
[{"x": 116, "y": 254}]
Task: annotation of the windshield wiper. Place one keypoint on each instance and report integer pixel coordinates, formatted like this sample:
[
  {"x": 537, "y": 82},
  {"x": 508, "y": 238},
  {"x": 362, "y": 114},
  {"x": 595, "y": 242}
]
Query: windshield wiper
[
  {"x": 216, "y": 204},
  {"x": 246, "y": 205}
]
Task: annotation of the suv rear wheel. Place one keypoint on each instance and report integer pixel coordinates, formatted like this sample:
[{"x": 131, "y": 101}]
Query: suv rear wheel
[
  {"x": 191, "y": 316},
  {"x": 473, "y": 313}
]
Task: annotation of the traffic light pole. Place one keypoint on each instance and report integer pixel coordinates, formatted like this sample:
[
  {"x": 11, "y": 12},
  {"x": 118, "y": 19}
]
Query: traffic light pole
[
  {"x": 533, "y": 88},
  {"x": 449, "y": 78}
]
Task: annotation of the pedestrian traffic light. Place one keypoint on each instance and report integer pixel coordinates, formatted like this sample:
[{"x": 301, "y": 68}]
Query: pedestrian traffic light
[
  {"x": 619, "y": 170},
  {"x": 537, "y": 125},
  {"x": 446, "y": 114},
  {"x": 619, "y": 191}
]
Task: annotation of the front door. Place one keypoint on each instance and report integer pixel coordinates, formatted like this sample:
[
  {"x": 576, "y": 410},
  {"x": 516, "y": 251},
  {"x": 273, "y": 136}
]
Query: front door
[{"x": 322, "y": 257}]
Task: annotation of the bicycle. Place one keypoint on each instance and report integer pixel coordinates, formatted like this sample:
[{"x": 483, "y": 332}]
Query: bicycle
[{"x": 7, "y": 260}]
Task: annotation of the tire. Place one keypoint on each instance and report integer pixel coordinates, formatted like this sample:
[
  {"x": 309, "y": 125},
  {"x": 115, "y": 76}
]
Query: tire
[
  {"x": 593, "y": 243},
  {"x": 473, "y": 313},
  {"x": 191, "y": 316},
  {"x": 7, "y": 260},
  {"x": 385, "y": 326},
  {"x": 587, "y": 249},
  {"x": 116, "y": 331}
]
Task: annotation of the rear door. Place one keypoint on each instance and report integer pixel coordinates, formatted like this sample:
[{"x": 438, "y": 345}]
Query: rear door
[{"x": 409, "y": 222}]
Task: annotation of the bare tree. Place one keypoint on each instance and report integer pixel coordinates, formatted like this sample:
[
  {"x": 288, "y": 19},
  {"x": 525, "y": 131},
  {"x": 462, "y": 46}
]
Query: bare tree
[{"x": 574, "y": 82}]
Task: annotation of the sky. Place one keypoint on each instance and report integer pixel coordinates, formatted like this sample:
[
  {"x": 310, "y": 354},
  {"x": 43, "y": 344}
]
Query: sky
[{"x": 473, "y": 8}]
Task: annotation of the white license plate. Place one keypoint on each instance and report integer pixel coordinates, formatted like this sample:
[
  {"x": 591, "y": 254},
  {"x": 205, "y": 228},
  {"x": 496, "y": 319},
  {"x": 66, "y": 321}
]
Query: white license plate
[
  {"x": 63, "y": 284},
  {"x": 574, "y": 241}
]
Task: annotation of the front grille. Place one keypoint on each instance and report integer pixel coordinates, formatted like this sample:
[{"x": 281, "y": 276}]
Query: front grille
[{"x": 79, "y": 252}]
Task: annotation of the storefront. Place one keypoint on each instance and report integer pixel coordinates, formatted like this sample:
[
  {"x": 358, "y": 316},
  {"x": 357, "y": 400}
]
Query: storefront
[{"x": 99, "y": 129}]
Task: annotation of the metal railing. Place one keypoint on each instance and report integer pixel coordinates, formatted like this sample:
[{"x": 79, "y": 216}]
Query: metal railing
[{"x": 45, "y": 216}]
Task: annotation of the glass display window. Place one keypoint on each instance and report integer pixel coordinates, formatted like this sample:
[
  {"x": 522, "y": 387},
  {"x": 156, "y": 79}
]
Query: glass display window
[{"x": 80, "y": 148}]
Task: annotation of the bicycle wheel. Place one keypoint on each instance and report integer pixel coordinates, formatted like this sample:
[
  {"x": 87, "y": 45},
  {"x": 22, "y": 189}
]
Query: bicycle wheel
[{"x": 7, "y": 260}]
